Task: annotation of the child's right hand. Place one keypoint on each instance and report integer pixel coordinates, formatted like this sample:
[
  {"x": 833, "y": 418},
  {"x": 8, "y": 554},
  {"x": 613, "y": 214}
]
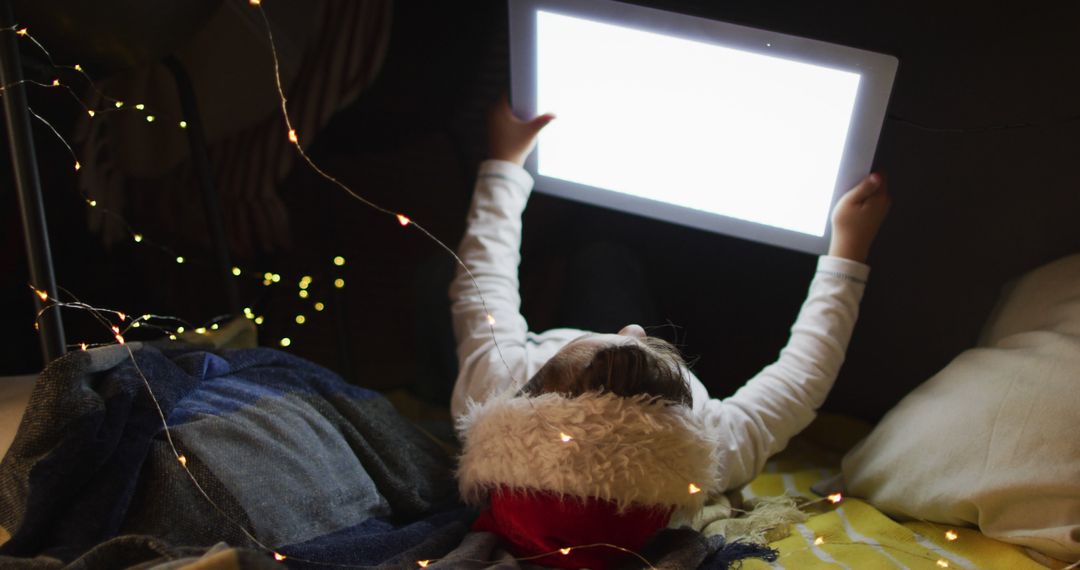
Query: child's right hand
[
  {"x": 510, "y": 138},
  {"x": 857, "y": 217}
]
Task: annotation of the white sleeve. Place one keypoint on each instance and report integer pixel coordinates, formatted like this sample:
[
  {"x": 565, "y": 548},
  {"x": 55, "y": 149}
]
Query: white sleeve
[
  {"x": 759, "y": 419},
  {"x": 500, "y": 354}
]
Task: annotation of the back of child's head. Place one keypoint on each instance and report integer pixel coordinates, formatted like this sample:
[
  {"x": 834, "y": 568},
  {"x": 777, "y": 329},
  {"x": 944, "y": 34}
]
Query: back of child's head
[{"x": 650, "y": 366}]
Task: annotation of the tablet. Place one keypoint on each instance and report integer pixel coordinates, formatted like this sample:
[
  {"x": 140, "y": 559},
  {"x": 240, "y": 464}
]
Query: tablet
[{"x": 717, "y": 126}]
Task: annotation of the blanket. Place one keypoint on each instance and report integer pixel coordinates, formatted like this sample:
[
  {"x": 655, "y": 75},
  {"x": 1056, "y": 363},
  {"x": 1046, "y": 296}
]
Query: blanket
[{"x": 286, "y": 452}]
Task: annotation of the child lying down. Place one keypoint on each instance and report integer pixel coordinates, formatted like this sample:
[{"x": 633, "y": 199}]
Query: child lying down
[{"x": 574, "y": 437}]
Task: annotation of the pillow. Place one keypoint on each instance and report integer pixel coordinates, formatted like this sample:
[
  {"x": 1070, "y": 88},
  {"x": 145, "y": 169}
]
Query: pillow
[{"x": 991, "y": 440}]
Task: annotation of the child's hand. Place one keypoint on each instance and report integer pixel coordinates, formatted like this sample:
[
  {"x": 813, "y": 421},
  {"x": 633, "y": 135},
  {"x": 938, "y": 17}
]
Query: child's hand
[
  {"x": 510, "y": 138},
  {"x": 857, "y": 217}
]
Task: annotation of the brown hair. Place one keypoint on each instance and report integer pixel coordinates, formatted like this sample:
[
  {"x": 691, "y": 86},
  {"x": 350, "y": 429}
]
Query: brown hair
[{"x": 650, "y": 366}]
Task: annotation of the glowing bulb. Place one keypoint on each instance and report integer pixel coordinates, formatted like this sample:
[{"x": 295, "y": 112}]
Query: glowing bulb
[
  {"x": 319, "y": 306},
  {"x": 172, "y": 337},
  {"x": 44, "y": 295},
  {"x": 305, "y": 281},
  {"x": 943, "y": 563},
  {"x": 119, "y": 338},
  {"x": 422, "y": 563},
  {"x": 267, "y": 275},
  {"x": 214, "y": 327},
  {"x": 119, "y": 104},
  {"x": 835, "y": 498},
  {"x": 200, "y": 330},
  {"x": 22, "y": 31},
  {"x": 93, "y": 203},
  {"x": 339, "y": 283},
  {"x": 339, "y": 261},
  {"x": 694, "y": 489},
  {"x": 149, "y": 118},
  {"x": 146, "y": 317},
  {"x": 255, "y": 2},
  {"x": 286, "y": 341},
  {"x": 951, "y": 535},
  {"x": 77, "y": 166},
  {"x": 135, "y": 325},
  {"x": 292, "y": 136},
  {"x": 565, "y": 437},
  {"x": 179, "y": 330},
  {"x": 819, "y": 541},
  {"x": 303, "y": 294},
  {"x": 56, "y": 83},
  {"x": 491, "y": 319},
  {"x": 179, "y": 259},
  {"x": 140, "y": 106},
  {"x": 182, "y": 459},
  {"x": 83, "y": 346},
  {"x": 279, "y": 556},
  {"x": 120, "y": 315},
  {"x": 115, "y": 329},
  {"x": 137, "y": 238},
  {"x": 275, "y": 278},
  {"x": 301, "y": 319},
  {"x": 183, "y": 124},
  {"x": 236, "y": 271},
  {"x": 78, "y": 67},
  {"x": 259, "y": 320},
  {"x": 91, "y": 113},
  {"x": 564, "y": 551},
  {"x": 404, "y": 221}
]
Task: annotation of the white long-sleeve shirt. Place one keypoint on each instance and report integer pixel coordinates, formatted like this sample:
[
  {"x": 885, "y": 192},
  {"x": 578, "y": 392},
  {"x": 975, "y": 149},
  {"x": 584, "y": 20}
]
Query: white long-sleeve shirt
[{"x": 497, "y": 352}]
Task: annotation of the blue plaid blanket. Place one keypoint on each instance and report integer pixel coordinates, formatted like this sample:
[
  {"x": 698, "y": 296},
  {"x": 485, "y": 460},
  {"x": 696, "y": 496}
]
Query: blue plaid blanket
[{"x": 311, "y": 466}]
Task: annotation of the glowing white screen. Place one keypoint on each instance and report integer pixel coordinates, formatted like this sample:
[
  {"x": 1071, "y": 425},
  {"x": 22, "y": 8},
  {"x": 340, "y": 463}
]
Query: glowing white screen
[{"x": 702, "y": 126}]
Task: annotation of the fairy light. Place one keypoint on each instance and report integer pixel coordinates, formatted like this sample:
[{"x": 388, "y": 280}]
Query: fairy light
[
  {"x": 303, "y": 294},
  {"x": 943, "y": 563},
  {"x": 275, "y": 277},
  {"x": 248, "y": 313},
  {"x": 138, "y": 238},
  {"x": 91, "y": 113},
  {"x": 339, "y": 261},
  {"x": 301, "y": 319},
  {"x": 78, "y": 67},
  {"x": 835, "y": 498},
  {"x": 214, "y": 327},
  {"x": 421, "y": 563},
  {"x": 565, "y": 437},
  {"x": 319, "y": 306},
  {"x": 182, "y": 459},
  {"x": 119, "y": 104},
  {"x": 339, "y": 283},
  {"x": 292, "y": 136},
  {"x": 172, "y": 337},
  {"x": 179, "y": 330},
  {"x": 259, "y": 320},
  {"x": 180, "y": 259},
  {"x": 279, "y": 557},
  {"x": 120, "y": 315},
  {"x": 565, "y": 551},
  {"x": 236, "y": 271},
  {"x": 200, "y": 330},
  {"x": 819, "y": 541},
  {"x": 82, "y": 346},
  {"x": 56, "y": 83},
  {"x": 135, "y": 325},
  {"x": 140, "y": 106},
  {"x": 694, "y": 489},
  {"x": 42, "y": 294},
  {"x": 149, "y": 118},
  {"x": 491, "y": 319},
  {"x": 22, "y": 31},
  {"x": 403, "y": 220},
  {"x": 92, "y": 203},
  {"x": 119, "y": 338},
  {"x": 183, "y": 124},
  {"x": 951, "y": 535},
  {"x": 255, "y": 2},
  {"x": 285, "y": 341}
]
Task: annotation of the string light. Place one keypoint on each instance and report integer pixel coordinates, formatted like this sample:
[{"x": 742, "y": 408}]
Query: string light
[
  {"x": 951, "y": 535},
  {"x": 135, "y": 325},
  {"x": 303, "y": 294},
  {"x": 339, "y": 261},
  {"x": 200, "y": 330},
  {"x": 319, "y": 306},
  {"x": 140, "y": 106},
  {"x": 279, "y": 557},
  {"x": 564, "y": 551},
  {"x": 565, "y": 437},
  {"x": 44, "y": 295},
  {"x": 119, "y": 104},
  {"x": 491, "y": 319},
  {"x": 404, "y": 221},
  {"x": 56, "y": 83},
  {"x": 92, "y": 203},
  {"x": 172, "y": 337},
  {"x": 179, "y": 330},
  {"x": 82, "y": 346},
  {"x": 819, "y": 541},
  {"x": 236, "y": 271},
  {"x": 21, "y": 31},
  {"x": 183, "y": 124},
  {"x": 421, "y": 563},
  {"x": 835, "y": 498},
  {"x": 77, "y": 166},
  {"x": 149, "y": 118},
  {"x": 286, "y": 341},
  {"x": 943, "y": 563},
  {"x": 292, "y": 136},
  {"x": 182, "y": 460},
  {"x": 259, "y": 320},
  {"x": 301, "y": 319},
  {"x": 138, "y": 238},
  {"x": 91, "y": 113},
  {"x": 214, "y": 327},
  {"x": 694, "y": 489},
  {"x": 179, "y": 259},
  {"x": 339, "y": 283}
]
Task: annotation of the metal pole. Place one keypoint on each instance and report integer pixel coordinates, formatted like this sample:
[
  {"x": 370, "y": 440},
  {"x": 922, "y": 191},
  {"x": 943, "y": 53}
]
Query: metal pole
[{"x": 28, "y": 186}]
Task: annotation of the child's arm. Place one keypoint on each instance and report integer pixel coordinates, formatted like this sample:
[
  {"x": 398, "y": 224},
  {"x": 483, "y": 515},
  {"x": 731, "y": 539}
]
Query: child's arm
[
  {"x": 781, "y": 400},
  {"x": 491, "y": 249}
]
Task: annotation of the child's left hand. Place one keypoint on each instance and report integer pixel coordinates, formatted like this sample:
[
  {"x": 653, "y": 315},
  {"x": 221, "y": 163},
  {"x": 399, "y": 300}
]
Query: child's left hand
[
  {"x": 857, "y": 217},
  {"x": 510, "y": 138}
]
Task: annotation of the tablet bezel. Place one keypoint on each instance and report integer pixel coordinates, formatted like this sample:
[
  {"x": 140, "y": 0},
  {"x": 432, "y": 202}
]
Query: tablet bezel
[{"x": 877, "y": 72}]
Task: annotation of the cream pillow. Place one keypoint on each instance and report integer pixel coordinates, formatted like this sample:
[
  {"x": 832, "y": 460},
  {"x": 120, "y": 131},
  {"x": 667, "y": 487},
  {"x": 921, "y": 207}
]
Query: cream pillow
[{"x": 992, "y": 440}]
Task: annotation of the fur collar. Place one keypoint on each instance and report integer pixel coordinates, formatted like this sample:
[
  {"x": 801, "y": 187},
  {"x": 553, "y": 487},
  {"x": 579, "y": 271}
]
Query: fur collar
[{"x": 624, "y": 450}]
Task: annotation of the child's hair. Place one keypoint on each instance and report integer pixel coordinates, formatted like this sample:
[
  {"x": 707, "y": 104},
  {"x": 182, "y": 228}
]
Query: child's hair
[{"x": 651, "y": 366}]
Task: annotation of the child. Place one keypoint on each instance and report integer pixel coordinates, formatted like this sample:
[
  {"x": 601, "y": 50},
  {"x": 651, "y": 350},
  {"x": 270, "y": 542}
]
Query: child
[{"x": 574, "y": 438}]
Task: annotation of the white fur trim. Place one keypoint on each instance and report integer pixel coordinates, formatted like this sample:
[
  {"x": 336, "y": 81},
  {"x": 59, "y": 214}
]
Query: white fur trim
[{"x": 625, "y": 450}]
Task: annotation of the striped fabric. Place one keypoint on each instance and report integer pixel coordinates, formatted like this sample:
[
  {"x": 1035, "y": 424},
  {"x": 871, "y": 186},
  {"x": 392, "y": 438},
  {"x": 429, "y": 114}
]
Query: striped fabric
[{"x": 340, "y": 59}]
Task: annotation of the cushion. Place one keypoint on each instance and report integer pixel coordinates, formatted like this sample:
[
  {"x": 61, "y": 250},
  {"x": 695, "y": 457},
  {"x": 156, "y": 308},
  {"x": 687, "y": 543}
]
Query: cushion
[{"x": 990, "y": 440}]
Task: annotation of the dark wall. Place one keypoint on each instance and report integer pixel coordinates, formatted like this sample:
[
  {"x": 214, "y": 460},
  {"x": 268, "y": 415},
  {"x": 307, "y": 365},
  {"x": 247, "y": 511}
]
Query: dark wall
[{"x": 972, "y": 208}]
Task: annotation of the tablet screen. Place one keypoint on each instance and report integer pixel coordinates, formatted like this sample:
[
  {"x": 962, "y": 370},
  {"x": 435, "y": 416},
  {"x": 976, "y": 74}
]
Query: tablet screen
[
  {"x": 703, "y": 126},
  {"x": 723, "y": 127}
]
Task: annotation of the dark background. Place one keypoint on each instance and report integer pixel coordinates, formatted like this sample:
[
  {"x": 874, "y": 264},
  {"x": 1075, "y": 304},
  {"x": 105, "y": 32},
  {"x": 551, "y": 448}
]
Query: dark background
[{"x": 973, "y": 207}]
